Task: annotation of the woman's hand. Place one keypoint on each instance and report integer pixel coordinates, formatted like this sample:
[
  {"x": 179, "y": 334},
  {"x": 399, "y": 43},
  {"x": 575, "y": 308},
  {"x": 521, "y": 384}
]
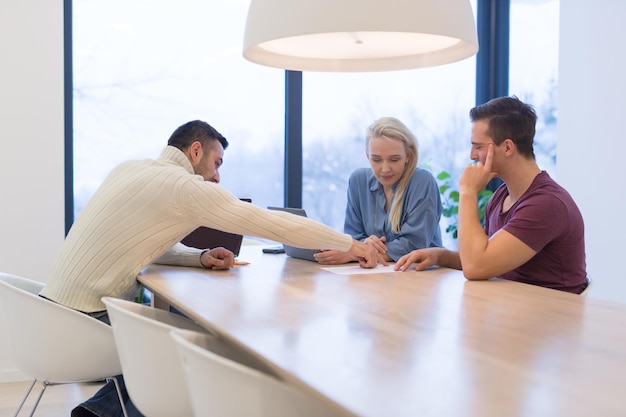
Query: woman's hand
[{"x": 378, "y": 243}]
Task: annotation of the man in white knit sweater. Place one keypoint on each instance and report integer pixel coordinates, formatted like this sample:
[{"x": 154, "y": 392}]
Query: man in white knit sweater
[{"x": 144, "y": 208}]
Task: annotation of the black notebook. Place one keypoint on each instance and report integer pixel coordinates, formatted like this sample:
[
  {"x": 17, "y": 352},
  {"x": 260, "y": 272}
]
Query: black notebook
[{"x": 208, "y": 238}]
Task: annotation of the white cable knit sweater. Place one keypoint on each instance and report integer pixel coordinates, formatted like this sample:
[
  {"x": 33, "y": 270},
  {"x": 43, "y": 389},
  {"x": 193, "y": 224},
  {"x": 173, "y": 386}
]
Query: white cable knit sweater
[{"x": 142, "y": 210}]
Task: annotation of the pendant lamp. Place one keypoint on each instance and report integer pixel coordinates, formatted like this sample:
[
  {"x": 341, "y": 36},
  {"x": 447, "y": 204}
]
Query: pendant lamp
[{"x": 359, "y": 35}]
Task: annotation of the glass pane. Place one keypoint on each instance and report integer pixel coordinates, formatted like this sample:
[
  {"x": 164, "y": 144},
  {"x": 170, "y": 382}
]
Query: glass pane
[
  {"x": 337, "y": 107},
  {"x": 143, "y": 68},
  {"x": 533, "y": 72}
]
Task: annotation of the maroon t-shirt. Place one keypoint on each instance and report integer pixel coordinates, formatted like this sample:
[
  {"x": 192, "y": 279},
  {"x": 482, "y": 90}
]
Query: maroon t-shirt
[{"x": 546, "y": 219}]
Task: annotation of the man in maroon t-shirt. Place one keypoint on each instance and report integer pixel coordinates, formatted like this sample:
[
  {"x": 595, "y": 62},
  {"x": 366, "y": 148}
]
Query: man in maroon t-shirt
[{"x": 534, "y": 232}]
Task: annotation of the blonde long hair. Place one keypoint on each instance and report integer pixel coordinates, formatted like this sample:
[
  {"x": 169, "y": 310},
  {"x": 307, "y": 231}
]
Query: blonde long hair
[{"x": 392, "y": 128}]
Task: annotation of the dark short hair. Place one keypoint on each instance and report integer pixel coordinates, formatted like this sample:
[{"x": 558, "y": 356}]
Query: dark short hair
[
  {"x": 508, "y": 118},
  {"x": 193, "y": 131}
]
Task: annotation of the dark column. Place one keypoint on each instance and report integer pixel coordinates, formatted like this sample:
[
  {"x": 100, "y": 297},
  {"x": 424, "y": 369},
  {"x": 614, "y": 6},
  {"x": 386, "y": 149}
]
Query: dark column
[
  {"x": 293, "y": 139},
  {"x": 492, "y": 60},
  {"x": 68, "y": 91}
]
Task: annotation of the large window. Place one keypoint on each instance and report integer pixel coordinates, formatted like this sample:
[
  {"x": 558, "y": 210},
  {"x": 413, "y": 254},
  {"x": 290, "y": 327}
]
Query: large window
[
  {"x": 534, "y": 60},
  {"x": 143, "y": 68}
]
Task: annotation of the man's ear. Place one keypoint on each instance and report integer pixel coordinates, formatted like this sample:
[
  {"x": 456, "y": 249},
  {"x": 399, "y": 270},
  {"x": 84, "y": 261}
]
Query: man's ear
[
  {"x": 508, "y": 146},
  {"x": 195, "y": 151}
]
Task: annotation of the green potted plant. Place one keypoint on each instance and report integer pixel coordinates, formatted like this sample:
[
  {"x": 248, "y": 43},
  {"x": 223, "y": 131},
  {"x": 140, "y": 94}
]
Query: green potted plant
[{"x": 450, "y": 201}]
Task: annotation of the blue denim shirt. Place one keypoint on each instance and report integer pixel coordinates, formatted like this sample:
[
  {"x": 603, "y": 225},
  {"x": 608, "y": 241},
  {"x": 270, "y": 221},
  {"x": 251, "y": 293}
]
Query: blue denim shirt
[{"x": 421, "y": 212}]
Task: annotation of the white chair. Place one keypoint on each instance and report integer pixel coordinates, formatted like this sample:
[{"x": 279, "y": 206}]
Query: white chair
[
  {"x": 226, "y": 385},
  {"x": 149, "y": 358},
  {"x": 52, "y": 343},
  {"x": 589, "y": 284}
]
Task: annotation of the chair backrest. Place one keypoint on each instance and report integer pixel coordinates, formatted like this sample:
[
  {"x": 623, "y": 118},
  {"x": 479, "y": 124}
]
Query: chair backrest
[
  {"x": 220, "y": 385},
  {"x": 149, "y": 358},
  {"x": 51, "y": 342},
  {"x": 589, "y": 284}
]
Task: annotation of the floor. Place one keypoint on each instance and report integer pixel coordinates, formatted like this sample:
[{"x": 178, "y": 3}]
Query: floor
[{"x": 57, "y": 401}]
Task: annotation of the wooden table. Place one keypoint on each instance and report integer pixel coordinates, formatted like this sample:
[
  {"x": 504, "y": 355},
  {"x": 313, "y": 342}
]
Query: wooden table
[{"x": 415, "y": 343}]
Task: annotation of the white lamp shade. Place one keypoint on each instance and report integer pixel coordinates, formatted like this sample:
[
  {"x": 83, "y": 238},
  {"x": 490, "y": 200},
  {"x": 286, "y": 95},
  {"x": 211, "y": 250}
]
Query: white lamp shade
[{"x": 359, "y": 35}]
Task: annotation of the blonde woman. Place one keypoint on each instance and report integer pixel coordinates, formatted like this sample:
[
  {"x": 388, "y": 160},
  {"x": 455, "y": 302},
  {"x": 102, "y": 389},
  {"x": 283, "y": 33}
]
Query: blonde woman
[{"x": 393, "y": 205}]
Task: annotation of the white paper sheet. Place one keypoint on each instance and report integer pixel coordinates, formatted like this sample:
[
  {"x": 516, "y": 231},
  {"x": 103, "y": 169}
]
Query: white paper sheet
[{"x": 356, "y": 269}]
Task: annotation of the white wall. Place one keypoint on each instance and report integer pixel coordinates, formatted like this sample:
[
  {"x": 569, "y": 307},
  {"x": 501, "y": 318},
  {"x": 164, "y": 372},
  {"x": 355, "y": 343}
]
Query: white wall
[
  {"x": 591, "y": 142},
  {"x": 31, "y": 137}
]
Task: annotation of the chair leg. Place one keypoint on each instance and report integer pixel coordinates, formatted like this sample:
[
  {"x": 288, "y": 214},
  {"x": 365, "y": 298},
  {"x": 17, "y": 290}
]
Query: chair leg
[
  {"x": 43, "y": 388},
  {"x": 119, "y": 395},
  {"x": 25, "y": 397}
]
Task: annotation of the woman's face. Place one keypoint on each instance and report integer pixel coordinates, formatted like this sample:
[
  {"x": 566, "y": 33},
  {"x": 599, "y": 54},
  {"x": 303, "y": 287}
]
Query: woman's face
[{"x": 388, "y": 158}]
